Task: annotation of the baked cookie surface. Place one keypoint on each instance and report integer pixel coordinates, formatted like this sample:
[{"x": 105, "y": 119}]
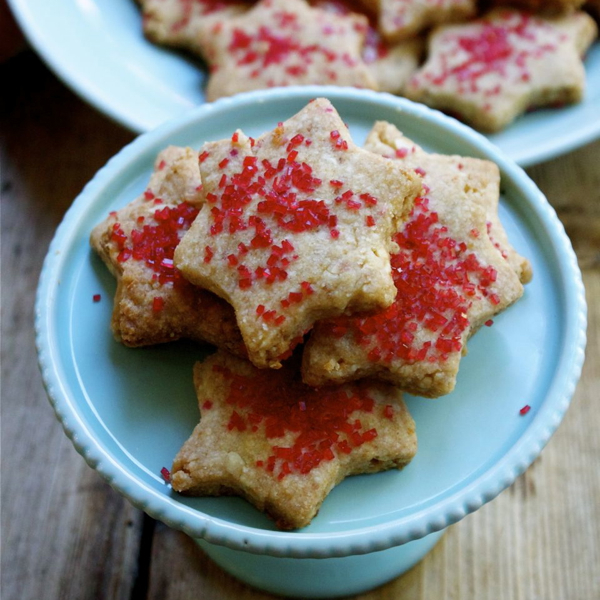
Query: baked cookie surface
[
  {"x": 491, "y": 70},
  {"x": 153, "y": 302},
  {"x": 401, "y": 19},
  {"x": 285, "y": 42},
  {"x": 283, "y": 446},
  {"x": 296, "y": 227},
  {"x": 450, "y": 278},
  {"x": 183, "y": 23},
  {"x": 391, "y": 64},
  {"x": 482, "y": 178}
]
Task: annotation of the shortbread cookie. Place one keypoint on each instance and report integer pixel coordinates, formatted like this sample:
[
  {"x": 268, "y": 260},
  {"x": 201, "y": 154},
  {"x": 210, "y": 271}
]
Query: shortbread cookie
[
  {"x": 183, "y": 23},
  {"x": 482, "y": 177},
  {"x": 153, "y": 303},
  {"x": 491, "y": 70},
  {"x": 297, "y": 228},
  {"x": 285, "y": 42},
  {"x": 402, "y": 19},
  {"x": 390, "y": 64},
  {"x": 283, "y": 446},
  {"x": 450, "y": 278}
]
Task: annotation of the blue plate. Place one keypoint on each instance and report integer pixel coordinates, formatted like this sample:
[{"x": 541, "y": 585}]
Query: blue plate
[
  {"x": 98, "y": 49},
  {"x": 128, "y": 411}
]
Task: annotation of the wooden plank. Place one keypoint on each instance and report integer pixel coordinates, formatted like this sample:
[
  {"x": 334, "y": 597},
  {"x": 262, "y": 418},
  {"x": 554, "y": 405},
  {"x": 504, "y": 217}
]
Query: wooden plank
[{"x": 65, "y": 533}]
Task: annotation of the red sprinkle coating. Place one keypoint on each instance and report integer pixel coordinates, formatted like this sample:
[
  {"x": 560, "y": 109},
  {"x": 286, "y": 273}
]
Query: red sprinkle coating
[
  {"x": 155, "y": 244},
  {"x": 96, "y": 297},
  {"x": 263, "y": 198},
  {"x": 437, "y": 279},
  {"x": 525, "y": 409},
  {"x": 166, "y": 474},
  {"x": 501, "y": 48},
  {"x": 324, "y": 422}
]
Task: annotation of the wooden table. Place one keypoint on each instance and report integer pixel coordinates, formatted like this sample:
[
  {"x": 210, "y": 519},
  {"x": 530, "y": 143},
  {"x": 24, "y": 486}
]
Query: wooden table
[{"x": 67, "y": 535}]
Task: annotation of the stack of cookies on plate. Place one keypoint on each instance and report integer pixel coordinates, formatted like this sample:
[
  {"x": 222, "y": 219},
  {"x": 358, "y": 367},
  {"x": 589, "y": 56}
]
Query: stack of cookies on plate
[
  {"x": 485, "y": 62},
  {"x": 331, "y": 278}
]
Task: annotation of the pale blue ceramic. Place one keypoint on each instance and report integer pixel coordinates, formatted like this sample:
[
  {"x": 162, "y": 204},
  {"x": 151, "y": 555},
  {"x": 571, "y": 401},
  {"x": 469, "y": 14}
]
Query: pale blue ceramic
[
  {"x": 98, "y": 49},
  {"x": 128, "y": 411}
]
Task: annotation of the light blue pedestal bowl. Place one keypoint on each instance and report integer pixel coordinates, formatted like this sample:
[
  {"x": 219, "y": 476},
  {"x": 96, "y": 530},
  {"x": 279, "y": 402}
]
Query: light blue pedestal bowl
[{"x": 128, "y": 411}]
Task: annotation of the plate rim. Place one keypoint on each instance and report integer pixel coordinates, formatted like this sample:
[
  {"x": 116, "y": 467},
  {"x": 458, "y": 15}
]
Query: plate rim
[
  {"x": 364, "y": 539},
  {"x": 95, "y": 96}
]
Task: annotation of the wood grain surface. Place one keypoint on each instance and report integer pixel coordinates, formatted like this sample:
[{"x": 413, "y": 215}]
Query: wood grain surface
[{"x": 67, "y": 535}]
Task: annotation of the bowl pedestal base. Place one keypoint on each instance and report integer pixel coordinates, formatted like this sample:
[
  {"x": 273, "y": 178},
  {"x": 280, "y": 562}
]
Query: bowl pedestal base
[{"x": 320, "y": 577}]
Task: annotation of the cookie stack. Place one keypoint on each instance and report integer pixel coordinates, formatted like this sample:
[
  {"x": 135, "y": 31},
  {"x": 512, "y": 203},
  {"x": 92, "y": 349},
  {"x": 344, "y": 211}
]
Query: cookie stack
[
  {"x": 485, "y": 62},
  {"x": 330, "y": 277}
]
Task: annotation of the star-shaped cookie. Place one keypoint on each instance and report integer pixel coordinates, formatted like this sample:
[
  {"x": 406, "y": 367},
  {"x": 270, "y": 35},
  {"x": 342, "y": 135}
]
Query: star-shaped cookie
[
  {"x": 483, "y": 179},
  {"x": 402, "y": 19},
  {"x": 450, "y": 277},
  {"x": 182, "y": 23},
  {"x": 390, "y": 64},
  {"x": 153, "y": 303},
  {"x": 285, "y": 42},
  {"x": 296, "y": 227},
  {"x": 283, "y": 446},
  {"x": 491, "y": 70}
]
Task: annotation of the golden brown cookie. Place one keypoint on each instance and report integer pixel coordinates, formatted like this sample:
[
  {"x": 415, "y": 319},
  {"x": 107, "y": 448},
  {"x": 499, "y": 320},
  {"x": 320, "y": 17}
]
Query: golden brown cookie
[
  {"x": 283, "y": 446},
  {"x": 296, "y": 228},
  {"x": 482, "y": 177},
  {"x": 390, "y": 64},
  {"x": 402, "y": 19},
  {"x": 153, "y": 303},
  {"x": 183, "y": 23},
  {"x": 489, "y": 71},
  {"x": 450, "y": 277},
  {"x": 285, "y": 42}
]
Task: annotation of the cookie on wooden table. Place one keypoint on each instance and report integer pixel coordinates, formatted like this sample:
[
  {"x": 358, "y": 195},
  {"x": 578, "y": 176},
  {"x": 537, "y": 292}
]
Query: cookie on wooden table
[
  {"x": 491, "y": 70},
  {"x": 282, "y": 445},
  {"x": 402, "y": 19},
  {"x": 450, "y": 278},
  {"x": 285, "y": 42},
  {"x": 153, "y": 302},
  {"x": 296, "y": 228}
]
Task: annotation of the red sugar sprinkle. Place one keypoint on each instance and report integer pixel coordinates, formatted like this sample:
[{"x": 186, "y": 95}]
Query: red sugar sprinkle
[
  {"x": 489, "y": 323},
  {"x": 96, "y": 297},
  {"x": 325, "y": 422},
  {"x": 155, "y": 243},
  {"x": 166, "y": 474},
  {"x": 525, "y": 409},
  {"x": 207, "y": 404},
  {"x": 158, "y": 303},
  {"x": 203, "y": 156},
  {"x": 437, "y": 280},
  {"x": 401, "y": 152}
]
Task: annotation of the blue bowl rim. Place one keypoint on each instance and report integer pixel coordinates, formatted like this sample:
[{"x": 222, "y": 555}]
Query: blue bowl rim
[{"x": 355, "y": 541}]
